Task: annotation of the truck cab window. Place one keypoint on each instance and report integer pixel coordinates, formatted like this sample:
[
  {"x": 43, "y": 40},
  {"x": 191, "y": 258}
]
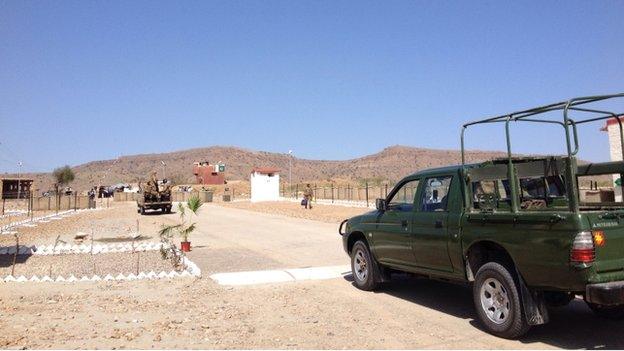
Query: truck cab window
[
  {"x": 542, "y": 192},
  {"x": 403, "y": 199},
  {"x": 435, "y": 194}
]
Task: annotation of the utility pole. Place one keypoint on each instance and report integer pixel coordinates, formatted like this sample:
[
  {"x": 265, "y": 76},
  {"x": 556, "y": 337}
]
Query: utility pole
[
  {"x": 290, "y": 170},
  {"x": 19, "y": 175}
]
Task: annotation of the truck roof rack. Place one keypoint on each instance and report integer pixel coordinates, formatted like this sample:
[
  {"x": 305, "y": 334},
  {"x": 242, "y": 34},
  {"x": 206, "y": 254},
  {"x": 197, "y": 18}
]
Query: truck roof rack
[
  {"x": 574, "y": 104},
  {"x": 535, "y": 115}
]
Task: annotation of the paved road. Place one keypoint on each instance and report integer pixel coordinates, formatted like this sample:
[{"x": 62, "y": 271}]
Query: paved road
[{"x": 238, "y": 240}]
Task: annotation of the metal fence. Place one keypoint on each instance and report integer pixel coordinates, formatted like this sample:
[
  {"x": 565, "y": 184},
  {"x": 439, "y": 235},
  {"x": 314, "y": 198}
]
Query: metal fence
[
  {"x": 344, "y": 192},
  {"x": 58, "y": 202}
]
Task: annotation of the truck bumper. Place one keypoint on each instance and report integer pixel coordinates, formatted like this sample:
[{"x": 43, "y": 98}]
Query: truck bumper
[{"x": 607, "y": 294}]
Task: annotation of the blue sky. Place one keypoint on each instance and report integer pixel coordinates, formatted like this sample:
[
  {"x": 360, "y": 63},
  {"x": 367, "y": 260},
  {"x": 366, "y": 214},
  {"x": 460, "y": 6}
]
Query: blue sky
[{"x": 90, "y": 80}]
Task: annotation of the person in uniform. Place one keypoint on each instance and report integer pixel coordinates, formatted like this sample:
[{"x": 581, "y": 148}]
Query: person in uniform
[{"x": 307, "y": 195}]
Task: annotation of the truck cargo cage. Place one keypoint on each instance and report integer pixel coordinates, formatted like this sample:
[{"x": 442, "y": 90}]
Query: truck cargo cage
[{"x": 572, "y": 171}]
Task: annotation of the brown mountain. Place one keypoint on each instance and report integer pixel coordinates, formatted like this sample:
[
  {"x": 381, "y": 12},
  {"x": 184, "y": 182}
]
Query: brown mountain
[{"x": 390, "y": 164}]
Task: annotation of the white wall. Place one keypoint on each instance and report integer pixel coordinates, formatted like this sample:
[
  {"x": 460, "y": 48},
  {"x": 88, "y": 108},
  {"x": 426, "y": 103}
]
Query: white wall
[
  {"x": 264, "y": 188},
  {"x": 616, "y": 153}
]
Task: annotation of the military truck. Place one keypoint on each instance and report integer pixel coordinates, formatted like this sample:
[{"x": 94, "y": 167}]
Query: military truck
[
  {"x": 517, "y": 229},
  {"x": 154, "y": 196}
]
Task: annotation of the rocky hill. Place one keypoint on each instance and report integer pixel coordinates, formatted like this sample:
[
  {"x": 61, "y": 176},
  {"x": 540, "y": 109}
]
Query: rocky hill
[{"x": 390, "y": 164}]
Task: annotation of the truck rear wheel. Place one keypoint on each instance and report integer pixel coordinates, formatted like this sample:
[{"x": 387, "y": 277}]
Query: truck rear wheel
[
  {"x": 609, "y": 312},
  {"x": 497, "y": 301},
  {"x": 363, "y": 267}
]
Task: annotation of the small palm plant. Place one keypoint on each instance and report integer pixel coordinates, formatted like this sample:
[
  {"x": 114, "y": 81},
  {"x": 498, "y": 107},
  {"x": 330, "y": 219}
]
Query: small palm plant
[{"x": 184, "y": 229}]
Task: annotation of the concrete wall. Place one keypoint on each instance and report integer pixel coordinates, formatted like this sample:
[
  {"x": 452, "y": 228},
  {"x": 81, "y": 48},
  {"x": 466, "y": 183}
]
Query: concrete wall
[
  {"x": 123, "y": 196},
  {"x": 182, "y": 196},
  {"x": 615, "y": 148},
  {"x": 65, "y": 202}
]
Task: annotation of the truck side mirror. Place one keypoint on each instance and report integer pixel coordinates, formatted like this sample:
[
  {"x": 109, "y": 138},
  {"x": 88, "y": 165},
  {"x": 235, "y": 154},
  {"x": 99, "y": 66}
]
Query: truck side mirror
[{"x": 380, "y": 204}]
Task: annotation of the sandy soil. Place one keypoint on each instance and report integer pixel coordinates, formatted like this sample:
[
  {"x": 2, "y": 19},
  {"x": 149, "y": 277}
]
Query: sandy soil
[
  {"x": 22, "y": 216},
  {"x": 115, "y": 223},
  {"x": 316, "y": 314},
  {"x": 323, "y": 213}
]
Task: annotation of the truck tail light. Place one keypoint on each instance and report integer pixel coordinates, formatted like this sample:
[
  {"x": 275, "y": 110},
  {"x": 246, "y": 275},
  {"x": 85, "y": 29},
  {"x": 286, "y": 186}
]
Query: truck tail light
[
  {"x": 599, "y": 237},
  {"x": 583, "y": 250}
]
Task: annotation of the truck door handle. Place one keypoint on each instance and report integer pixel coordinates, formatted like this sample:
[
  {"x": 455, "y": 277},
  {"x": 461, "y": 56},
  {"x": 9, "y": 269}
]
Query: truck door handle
[
  {"x": 438, "y": 224},
  {"x": 404, "y": 223}
]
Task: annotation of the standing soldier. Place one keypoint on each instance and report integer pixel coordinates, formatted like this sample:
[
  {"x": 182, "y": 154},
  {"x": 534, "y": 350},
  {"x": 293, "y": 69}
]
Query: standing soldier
[
  {"x": 91, "y": 194},
  {"x": 307, "y": 195}
]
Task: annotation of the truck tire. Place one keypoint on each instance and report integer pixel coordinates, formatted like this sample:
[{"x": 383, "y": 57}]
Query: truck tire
[
  {"x": 142, "y": 210},
  {"x": 608, "y": 312},
  {"x": 497, "y": 301},
  {"x": 363, "y": 267}
]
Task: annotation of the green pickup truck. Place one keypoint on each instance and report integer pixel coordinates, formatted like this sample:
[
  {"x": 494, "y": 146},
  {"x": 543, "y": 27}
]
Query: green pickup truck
[{"x": 526, "y": 232}]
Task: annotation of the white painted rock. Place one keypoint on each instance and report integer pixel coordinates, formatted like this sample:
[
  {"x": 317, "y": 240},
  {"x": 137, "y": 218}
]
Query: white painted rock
[
  {"x": 185, "y": 273},
  {"x": 173, "y": 274}
]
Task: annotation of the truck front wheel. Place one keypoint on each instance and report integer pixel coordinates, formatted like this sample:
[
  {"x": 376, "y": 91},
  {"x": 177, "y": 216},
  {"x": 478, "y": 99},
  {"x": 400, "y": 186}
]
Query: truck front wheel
[
  {"x": 497, "y": 301},
  {"x": 363, "y": 267}
]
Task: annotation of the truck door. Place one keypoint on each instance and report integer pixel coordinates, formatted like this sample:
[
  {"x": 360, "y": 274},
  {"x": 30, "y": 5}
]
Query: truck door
[
  {"x": 392, "y": 237},
  {"x": 430, "y": 235}
]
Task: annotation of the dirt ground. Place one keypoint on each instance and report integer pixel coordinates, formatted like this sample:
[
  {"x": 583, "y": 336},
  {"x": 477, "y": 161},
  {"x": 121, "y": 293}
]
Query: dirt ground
[
  {"x": 113, "y": 224},
  {"x": 198, "y": 313},
  {"x": 80, "y": 265},
  {"x": 323, "y": 213}
]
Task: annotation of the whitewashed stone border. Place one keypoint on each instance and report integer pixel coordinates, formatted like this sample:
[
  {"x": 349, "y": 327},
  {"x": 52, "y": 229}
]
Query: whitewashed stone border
[
  {"x": 43, "y": 219},
  {"x": 64, "y": 249},
  {"x": 151, "y": 275},
  {"x": 13, "y": 213},
  {"x": 191, "y": 270}
]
